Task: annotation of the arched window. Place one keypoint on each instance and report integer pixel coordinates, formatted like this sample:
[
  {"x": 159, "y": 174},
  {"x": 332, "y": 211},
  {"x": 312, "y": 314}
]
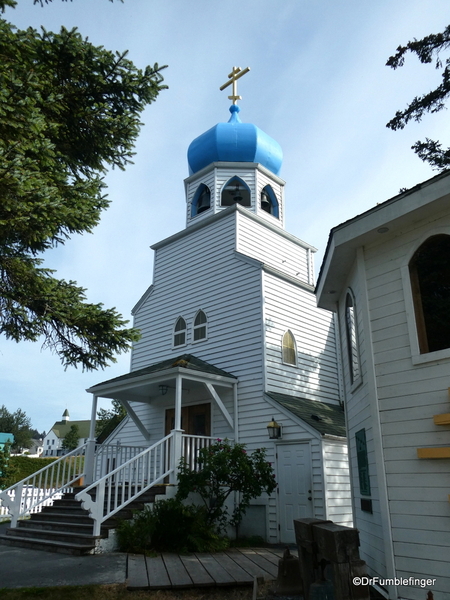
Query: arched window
[
  {"x": 179, "y": 335},
  {"x": 269, "y": 202},
  {"x": 429, "y": 271},
  {"x": 352, "y": 338},
  {"x": 289, "y": 350},
  {"x": 234, "y": 191},
  {"x": 201, "y": 200},
  {"x": 200, "y": 325}
]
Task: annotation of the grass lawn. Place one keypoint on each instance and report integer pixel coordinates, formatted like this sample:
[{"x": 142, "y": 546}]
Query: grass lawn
[{"x": 119, "y": 592}]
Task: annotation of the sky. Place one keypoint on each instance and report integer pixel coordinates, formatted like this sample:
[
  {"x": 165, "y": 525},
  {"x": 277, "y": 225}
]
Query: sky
[{"x": 318, "y": 84}]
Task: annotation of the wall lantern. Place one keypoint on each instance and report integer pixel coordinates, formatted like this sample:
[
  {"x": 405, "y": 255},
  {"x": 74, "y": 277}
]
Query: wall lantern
[
  {"x": 274, "y": 430},
  {"x": 163, "y": 389}
]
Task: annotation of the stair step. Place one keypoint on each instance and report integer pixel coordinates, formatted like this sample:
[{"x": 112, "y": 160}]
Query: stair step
[
  {"x": 49, "y": 535},
  {"x": 66, "y": 509},
  {"x": 56, "y": 526},
  {"x": 66, "y": 503},
  {"x": 67, "y": 528},
  {"x": 61, "y": 516},
  {"x": 48, "y": 545}
]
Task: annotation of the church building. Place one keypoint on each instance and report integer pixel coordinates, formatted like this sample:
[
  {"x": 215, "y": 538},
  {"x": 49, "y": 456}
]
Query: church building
[
  {"x": 232, "y": 340},
  {"x": 386, "y": 276}
]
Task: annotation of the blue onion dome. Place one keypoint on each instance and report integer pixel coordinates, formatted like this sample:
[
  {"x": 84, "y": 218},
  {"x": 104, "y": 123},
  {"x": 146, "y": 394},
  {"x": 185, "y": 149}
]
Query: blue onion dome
[{"x": 235, "y": 142}]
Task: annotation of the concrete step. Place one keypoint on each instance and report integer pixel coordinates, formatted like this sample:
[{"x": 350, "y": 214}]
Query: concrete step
[
  {"x": 66, "y": 527},
  {"x": 77, "y": 539},
  {"x": 49, "y": 525},
  {"x": 47, "y": 545}
]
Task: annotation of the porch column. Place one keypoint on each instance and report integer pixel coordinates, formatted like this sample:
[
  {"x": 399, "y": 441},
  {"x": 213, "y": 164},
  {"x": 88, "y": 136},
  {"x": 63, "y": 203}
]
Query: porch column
[
  {"x": 90, "y": 450},
  {"x": 177, "y": 440}
]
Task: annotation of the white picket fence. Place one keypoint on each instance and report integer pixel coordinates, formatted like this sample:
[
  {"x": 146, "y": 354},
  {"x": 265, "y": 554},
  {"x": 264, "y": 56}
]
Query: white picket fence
[{"x": 35, "y": 496}]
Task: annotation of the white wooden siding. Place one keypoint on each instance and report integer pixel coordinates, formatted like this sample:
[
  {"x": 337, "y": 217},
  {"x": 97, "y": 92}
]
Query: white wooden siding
[
  {"x": 268, "y": 246},
  {"x": 408, "y": 398},
  {"x": 315, "y": 376},
  {"x": 337, "y": 482},
  {"x": 359, "y": 416},
  {"x": 202, "y": 270}
]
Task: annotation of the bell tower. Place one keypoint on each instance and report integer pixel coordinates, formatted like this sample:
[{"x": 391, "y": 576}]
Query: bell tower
[{"x": 234, "y": 162}]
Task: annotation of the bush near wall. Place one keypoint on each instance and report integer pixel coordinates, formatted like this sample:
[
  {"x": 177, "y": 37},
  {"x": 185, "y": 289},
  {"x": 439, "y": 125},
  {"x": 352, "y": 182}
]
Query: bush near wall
[{"x": 25, "y": 466}]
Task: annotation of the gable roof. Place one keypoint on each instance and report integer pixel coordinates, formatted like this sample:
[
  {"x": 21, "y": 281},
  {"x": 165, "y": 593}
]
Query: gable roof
[
  {"x": 185, "y": 361},
  {"x": 391, "y": 215},
  {"x": 327, "y": 419},
  {"x": 62, "y": 428}
]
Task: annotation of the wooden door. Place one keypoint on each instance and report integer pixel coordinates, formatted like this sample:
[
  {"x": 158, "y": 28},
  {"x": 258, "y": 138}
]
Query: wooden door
[
  {"x": 195, "y": 420},
  {"x": 294, "y": 482}
]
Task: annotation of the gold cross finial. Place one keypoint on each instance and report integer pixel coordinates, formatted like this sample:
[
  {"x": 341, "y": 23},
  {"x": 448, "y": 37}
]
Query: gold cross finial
[{"x": 235, "y": 74}]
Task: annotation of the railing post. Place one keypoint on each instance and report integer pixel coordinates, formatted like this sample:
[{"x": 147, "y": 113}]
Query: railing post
[
  {"x": 175, "y": 455},
  {"x": 97, "y": 514},
  {"x": 89, "y": 460},
  {"x": 15, "y": 508},
  {"x": 90, "y": 450}
]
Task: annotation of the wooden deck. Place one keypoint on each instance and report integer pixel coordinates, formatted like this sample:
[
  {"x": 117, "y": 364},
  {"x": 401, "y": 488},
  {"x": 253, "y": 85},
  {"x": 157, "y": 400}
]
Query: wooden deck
[{"x": 236, "y": 566}]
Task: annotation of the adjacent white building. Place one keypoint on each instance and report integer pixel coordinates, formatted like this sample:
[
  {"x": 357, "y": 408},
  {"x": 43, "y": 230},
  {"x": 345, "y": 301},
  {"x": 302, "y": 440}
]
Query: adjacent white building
[
  {"x": 386, "y": 276},
  {"x": 52, "y": 443},
  {"x": 230, "y": 327}
]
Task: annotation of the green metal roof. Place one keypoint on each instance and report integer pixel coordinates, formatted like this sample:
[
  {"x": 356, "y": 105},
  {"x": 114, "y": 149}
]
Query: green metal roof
[
  {"x": 186, "y": 361},
  {"x": 327, "y": 419},
  {"x": 61, "y": 428}
]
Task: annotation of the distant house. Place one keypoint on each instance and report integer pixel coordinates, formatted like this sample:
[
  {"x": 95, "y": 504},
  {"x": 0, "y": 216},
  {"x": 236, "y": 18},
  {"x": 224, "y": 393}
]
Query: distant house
[
  {"x": 36, "y": 449},
  {"x": 54, "y": 438}
]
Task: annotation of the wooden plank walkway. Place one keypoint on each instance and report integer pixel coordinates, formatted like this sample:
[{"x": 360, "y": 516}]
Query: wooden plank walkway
[{"x": 233, "y": 567}]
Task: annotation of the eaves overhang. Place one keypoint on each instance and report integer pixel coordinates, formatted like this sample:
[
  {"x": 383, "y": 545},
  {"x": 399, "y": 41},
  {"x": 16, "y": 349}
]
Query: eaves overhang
[
  {"x": 139, "y": 385},
  {"x": 387, "y": 218},
  {"x": 234, "y": 166},
  {"x": 235, "y": 208}
]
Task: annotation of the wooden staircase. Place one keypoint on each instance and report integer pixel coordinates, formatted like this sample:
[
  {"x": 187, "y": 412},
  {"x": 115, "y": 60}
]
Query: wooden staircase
[{"x": 66, "y": 527}]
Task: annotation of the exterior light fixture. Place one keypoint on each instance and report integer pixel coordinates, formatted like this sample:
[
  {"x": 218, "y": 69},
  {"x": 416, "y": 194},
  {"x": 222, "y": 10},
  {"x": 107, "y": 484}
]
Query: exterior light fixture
[
  {"x": 163, "y": 389},
  {"x": 274, "y": 430}
]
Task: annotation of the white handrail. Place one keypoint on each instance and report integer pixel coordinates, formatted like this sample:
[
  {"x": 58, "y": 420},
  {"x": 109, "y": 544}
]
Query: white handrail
[
  {"x": 110, "y": 456},
  {"x": 60, "y": 474},
  {"x": 191, "y": 444},
  {"x": 108, "y": 495}
]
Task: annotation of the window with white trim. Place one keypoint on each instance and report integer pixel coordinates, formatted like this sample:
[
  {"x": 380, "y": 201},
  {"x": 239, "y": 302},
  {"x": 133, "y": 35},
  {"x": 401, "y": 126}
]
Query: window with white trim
[
  {"x": 289, "y": 348},
  {"x": 236, "y": 191},
  {"x": 179, "y": 335},
  {"x": 200, "y": 326},
  {"x": 429, "y": 272},
  {"x": 352, "y": 338},
  {"x": 268, "y": 201}
]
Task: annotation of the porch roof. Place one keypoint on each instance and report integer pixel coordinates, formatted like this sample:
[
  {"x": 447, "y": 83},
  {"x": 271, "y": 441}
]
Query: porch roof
[
  {"x": 327, "y": 419},
  {"x": 188, "y": 365}
]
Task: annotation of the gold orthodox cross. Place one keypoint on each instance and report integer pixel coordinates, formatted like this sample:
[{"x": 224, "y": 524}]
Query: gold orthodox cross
[{"x": 235, "y": 74}]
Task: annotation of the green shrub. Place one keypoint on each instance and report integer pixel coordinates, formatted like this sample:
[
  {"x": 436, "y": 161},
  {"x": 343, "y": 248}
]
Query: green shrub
[
  {"x": 170, "y": 526},
  {"x": 226, "y": 468},
  {"x": 7, "y": 469},
  {"x": 26, "y": 465}
]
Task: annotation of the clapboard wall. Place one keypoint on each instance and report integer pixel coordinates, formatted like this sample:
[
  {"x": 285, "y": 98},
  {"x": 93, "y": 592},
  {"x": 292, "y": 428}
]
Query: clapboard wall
[
  {"x": 359, "y": 416},
  {"x": 409, "y": 395},
  {"x": 395, "y": 400}
]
